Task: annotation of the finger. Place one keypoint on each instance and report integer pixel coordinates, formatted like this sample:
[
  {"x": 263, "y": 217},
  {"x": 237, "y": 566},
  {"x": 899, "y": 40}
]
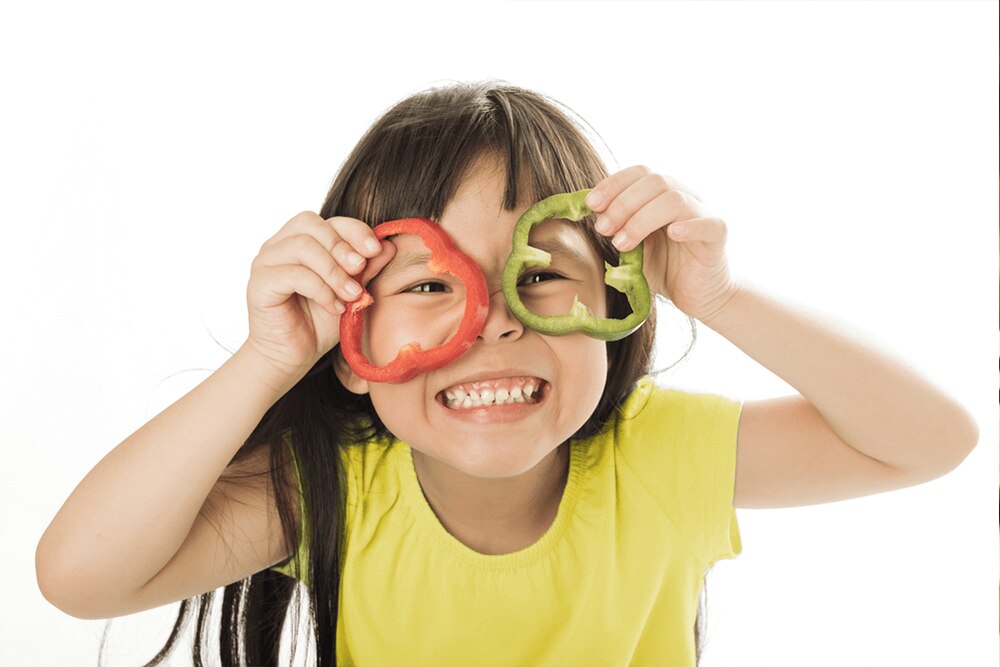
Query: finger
[
  {"x": 280, "y": 282},
  {"x": 358, "y": 235},
  {"x": 636, "y": 196},
  {"x": 342, "y": 253},
  {"x": 607, "y": 190},
  {"x": 379, "y": 261},
  {"x": 348, "y": 258},
  {"x": 711, "y": 231},
  {"x": 604, "y": 192},
  {"x": 662, "y": 210},
  {"x": 309, "y": 223},
  {"x": 307, "y": 251},
  {"x": 643, "y": 211}
]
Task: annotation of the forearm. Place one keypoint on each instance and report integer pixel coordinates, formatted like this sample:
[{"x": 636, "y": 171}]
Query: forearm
[
  {"x": 873, "y": 401},
  {"x": 133, "y": 510}
]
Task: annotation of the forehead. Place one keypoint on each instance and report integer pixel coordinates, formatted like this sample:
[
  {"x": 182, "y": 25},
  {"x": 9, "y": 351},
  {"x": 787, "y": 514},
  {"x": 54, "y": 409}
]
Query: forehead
[
  {"x": 562, "y": 239},
  {"x": 477, "y": 222}
]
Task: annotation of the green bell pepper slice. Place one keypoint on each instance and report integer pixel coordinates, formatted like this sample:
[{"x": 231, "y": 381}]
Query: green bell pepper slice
[{"x": 627, "y": 277}]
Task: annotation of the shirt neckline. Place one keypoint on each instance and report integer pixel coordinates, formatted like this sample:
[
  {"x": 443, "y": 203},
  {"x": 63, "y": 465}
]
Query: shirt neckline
[{"x": 425, "y": 515}]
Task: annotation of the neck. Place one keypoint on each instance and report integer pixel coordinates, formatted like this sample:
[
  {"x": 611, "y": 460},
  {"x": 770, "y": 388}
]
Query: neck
[{"x": 495, "y": 515}]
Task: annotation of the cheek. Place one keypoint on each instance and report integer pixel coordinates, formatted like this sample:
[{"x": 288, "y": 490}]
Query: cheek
[
  {"x": 585, "y": 365},
  {"x": 399, "y": 406},
  {"x": 602, "y": 301},
  {"x": 584, "y": 376},
  {"x": 384, "y": 335},
  {"x": 389, "y": 327}
]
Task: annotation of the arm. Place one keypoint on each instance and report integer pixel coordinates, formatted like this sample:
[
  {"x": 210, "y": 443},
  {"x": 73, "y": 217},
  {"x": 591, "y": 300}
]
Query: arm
[
  {"x": 130, "y": 515},
  {"x": 866, "y": 422}
]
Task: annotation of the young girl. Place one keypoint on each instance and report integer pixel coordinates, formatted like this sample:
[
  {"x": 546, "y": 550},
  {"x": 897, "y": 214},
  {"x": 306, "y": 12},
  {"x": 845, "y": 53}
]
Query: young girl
[{"x": 573, "y": 526}]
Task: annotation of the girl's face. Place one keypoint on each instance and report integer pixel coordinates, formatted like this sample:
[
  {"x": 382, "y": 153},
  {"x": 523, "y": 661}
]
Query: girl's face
[{"x": 414, "y": 304}]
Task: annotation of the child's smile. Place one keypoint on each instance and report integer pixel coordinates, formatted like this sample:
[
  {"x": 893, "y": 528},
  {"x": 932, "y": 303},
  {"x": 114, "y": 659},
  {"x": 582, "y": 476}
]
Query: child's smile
[
  {"x": 504, "y": 397},
  {"x": 507, "y": 390}
]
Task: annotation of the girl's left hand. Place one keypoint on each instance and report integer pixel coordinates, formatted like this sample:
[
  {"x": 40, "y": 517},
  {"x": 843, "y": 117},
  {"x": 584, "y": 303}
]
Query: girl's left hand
[{"x": 684, "y": 255}]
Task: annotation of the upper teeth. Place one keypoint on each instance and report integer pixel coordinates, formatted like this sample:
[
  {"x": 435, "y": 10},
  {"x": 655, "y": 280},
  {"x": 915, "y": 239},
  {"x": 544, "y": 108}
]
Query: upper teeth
[{"x": 458, "y": 398}]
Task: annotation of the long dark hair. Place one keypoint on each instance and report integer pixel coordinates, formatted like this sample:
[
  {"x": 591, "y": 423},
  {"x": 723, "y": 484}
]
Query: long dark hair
[{"x": 409, "y": 163}]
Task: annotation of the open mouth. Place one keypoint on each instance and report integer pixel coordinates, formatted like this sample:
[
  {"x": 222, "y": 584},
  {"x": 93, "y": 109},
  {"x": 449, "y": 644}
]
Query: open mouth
[{"x": 530, "y": 392}]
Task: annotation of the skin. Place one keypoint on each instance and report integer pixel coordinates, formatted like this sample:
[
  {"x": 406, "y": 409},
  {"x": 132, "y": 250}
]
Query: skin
[{"x": 496, "y": 487}]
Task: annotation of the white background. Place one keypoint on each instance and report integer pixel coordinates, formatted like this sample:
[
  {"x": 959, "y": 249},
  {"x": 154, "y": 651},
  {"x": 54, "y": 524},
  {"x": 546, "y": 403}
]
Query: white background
[{"x": 851, "y": 149}]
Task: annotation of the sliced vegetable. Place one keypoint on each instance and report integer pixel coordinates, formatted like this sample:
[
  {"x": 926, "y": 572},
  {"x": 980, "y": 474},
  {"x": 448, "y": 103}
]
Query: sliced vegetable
[
  {"x": 412, "y": 359},
  {"x": 627, "y": 277}
]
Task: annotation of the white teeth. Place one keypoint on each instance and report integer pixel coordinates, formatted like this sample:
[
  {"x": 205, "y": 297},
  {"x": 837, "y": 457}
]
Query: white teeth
[{"x": 459, "y": 399}]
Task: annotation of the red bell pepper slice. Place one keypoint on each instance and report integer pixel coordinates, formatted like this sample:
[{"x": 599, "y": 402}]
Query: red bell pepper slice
[{"x": 411, "y": 359}]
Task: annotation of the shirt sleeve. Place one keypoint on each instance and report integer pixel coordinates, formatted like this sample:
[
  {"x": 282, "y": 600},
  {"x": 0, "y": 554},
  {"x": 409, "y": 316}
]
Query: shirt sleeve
[{"x": 682, "y": 446}]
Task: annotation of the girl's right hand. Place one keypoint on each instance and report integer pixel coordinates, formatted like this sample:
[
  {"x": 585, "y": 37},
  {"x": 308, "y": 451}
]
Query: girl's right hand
[{"x": 299, "y": 285}]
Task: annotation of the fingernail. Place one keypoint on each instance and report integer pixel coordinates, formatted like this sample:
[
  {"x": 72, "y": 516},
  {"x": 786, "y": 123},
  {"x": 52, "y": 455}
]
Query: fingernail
[
  {"x": 594, "y": 199},
  {"x": 603, "y": 224},
  {"x": 372, "y": 245},
  {"x": 355, "y": 259},
  {"x": 353, "y": 289},
  {"x": 619, "y": 240}
]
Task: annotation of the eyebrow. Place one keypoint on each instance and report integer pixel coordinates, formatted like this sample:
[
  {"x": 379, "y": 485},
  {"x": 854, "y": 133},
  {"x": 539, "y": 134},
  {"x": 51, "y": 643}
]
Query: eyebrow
[
  {"x": 554, "y": 247},
  {"x": 557, "y": 248},
  {"x": 403, "y": 263}
]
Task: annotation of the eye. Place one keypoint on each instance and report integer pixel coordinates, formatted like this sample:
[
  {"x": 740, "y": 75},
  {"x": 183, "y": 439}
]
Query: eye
[
  {"x": 426, "y": 287},
  {"x": 529, "y": 279}
]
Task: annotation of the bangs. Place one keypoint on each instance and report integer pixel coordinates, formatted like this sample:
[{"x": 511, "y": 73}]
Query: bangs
[{"x": 412, "y": 160}]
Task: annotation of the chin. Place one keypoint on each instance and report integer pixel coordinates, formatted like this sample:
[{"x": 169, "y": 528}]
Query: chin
[{"x": 491, "y": 460}]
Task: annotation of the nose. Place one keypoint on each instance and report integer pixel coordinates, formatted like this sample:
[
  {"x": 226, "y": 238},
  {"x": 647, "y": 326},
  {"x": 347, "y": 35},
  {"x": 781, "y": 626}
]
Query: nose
[{"x": 500, "y": 321}]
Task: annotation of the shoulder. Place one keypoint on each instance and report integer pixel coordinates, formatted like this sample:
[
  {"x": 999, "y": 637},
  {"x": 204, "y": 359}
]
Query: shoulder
[
  {"x": 359, "y": 461},
  {"x": 663, "y": 431},
  {"x": 680, "y": 411},
  {"x": 681, "y": 446}
]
